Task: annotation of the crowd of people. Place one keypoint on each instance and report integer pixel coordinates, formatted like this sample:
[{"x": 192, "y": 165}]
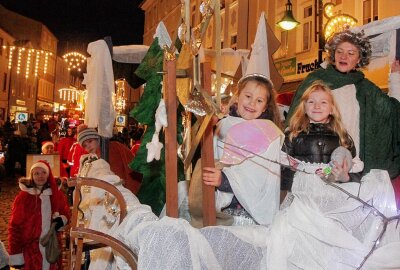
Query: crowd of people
[{"x": 49, "y": 136}]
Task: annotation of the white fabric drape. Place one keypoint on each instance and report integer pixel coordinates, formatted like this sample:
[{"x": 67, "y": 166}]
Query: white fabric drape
[
  {"x": 322, "y": 229},
  {"x": 99, "y": 79}
]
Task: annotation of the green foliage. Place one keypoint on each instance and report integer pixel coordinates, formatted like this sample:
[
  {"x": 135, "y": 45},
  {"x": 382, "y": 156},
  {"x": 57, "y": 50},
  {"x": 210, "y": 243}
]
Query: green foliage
[{"x": 152, "y": 190}]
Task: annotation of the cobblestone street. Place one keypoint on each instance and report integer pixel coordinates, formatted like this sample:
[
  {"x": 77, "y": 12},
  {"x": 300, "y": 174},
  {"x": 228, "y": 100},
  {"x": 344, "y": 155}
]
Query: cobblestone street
[{"x": 9, "y": 189}]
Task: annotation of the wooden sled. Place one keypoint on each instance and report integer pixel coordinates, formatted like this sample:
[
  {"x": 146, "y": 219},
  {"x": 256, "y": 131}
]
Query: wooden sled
[{"x": 94, "y": 239}]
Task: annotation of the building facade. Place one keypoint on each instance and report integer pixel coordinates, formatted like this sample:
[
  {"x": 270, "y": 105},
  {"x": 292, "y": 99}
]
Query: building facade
[
  {"x": 32, "y": 62},
  {"x": 5, "y": 40},
  {"x": 298, "y": 53}
]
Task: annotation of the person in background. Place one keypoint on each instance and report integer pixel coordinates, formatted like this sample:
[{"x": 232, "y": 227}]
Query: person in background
[
  {"x": 37, "y": 205},
  {"x": 74, "y": 155},
  {"x": 136, "y": 137},
  {"x": 63, "y": 149},
  {"x": 43, "y": 134},
  {"x": 47, "y": 147}
]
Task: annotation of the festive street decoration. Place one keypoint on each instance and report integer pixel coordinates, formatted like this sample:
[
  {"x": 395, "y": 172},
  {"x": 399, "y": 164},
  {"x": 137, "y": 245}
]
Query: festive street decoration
[
  {"x": 22, "y": 58},
  {"x": 336, "y": 23},
  {"x": 75, "y": 60},
  {"x": 120, "y": 98}
]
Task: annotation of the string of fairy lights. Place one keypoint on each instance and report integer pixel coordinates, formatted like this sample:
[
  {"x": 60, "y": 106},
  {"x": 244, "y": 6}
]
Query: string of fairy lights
[
  {"x": 25, "y": 59},
  {"x": 75, "y": 60}
]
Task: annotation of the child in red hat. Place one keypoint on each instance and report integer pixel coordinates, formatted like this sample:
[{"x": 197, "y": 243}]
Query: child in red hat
[{"x": 38, "y": 204}]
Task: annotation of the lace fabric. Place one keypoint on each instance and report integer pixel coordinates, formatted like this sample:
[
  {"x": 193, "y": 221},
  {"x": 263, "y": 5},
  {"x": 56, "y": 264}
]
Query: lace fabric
[{"x": 321, "y": 229}]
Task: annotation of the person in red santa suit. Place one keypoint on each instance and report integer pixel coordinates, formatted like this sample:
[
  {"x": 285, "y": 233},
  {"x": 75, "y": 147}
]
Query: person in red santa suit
[
  {"x": 63, "y": 149},
  {"x": 38, "y": 204}
]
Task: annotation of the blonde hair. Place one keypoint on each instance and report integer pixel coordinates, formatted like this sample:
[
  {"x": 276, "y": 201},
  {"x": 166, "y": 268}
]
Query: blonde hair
[
  {"x": 271, "y": 112},
  {"x": 300, "y": 121}
]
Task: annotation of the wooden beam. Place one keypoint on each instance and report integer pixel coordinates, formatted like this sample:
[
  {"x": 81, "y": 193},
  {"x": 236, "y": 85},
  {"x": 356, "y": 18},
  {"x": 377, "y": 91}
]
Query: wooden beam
[
  {"x": 171, "y": 144},
  {"x": 207, "y": 155}
]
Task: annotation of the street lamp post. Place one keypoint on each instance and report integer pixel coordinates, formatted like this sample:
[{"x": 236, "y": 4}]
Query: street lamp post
[{"x": 288, "y": 22}]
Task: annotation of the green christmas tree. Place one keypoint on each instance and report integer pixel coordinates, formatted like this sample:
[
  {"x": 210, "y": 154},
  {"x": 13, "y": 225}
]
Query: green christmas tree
[{"x": 152, "y": 190}]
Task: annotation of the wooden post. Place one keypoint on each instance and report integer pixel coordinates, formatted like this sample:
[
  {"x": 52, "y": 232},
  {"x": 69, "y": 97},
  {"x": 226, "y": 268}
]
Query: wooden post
[
  {"x": 171, "y": 144},
  {"x": 207, "y": 155}
]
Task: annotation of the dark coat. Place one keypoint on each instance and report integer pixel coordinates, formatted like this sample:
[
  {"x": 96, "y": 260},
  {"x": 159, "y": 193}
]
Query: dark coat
[{"x": 315, "y": 146}]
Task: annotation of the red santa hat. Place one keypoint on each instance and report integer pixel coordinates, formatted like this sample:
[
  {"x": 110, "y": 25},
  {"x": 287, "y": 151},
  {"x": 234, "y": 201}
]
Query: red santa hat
[
  {"x": 41, "y": 164},
  {"x": 46, "y": 143}
]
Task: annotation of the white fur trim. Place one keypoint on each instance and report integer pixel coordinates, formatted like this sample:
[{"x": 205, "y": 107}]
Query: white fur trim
[
  {"x": 33, "y": 190},
  {"x": 16, "y": 259},
  {"x": 46, "y": 222},
  {"x": 40, "y": 165}
]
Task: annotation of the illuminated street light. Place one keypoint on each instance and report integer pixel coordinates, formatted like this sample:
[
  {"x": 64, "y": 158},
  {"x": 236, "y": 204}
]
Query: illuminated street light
[{"x": 288, "y": 22}]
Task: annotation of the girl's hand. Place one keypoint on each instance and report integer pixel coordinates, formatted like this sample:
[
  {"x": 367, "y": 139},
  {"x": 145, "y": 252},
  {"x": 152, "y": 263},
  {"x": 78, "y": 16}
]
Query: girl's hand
[
  {"x": 212, "y": 176},
  {"x": 340, "y": 172},
  {"x": 395, "y": 66}
]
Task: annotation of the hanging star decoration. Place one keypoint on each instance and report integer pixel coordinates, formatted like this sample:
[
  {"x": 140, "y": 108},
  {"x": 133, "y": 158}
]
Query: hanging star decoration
[
  {"x": 154, "y": 147},
  {"x": 161, "y": 116}
]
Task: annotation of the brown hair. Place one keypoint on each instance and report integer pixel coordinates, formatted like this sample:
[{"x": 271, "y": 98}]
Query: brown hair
[
  {"x": 271, "y": 112},
  {"x": 300, "y": 121}
]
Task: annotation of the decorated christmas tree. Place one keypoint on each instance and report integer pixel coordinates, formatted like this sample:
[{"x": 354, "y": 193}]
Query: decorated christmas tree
[{"x": 152, "y": 190}]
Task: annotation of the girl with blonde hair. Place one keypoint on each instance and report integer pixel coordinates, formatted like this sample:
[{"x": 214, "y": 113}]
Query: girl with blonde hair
[{"x": 315, "y": 131}]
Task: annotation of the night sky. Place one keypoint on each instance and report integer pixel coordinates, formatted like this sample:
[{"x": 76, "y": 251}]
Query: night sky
[{"x": 75, "y": 23}]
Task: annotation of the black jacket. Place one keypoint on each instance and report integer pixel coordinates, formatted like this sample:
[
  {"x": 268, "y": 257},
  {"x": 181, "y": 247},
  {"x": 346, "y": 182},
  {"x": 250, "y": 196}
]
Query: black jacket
[{"x": 315, "y": 146}]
